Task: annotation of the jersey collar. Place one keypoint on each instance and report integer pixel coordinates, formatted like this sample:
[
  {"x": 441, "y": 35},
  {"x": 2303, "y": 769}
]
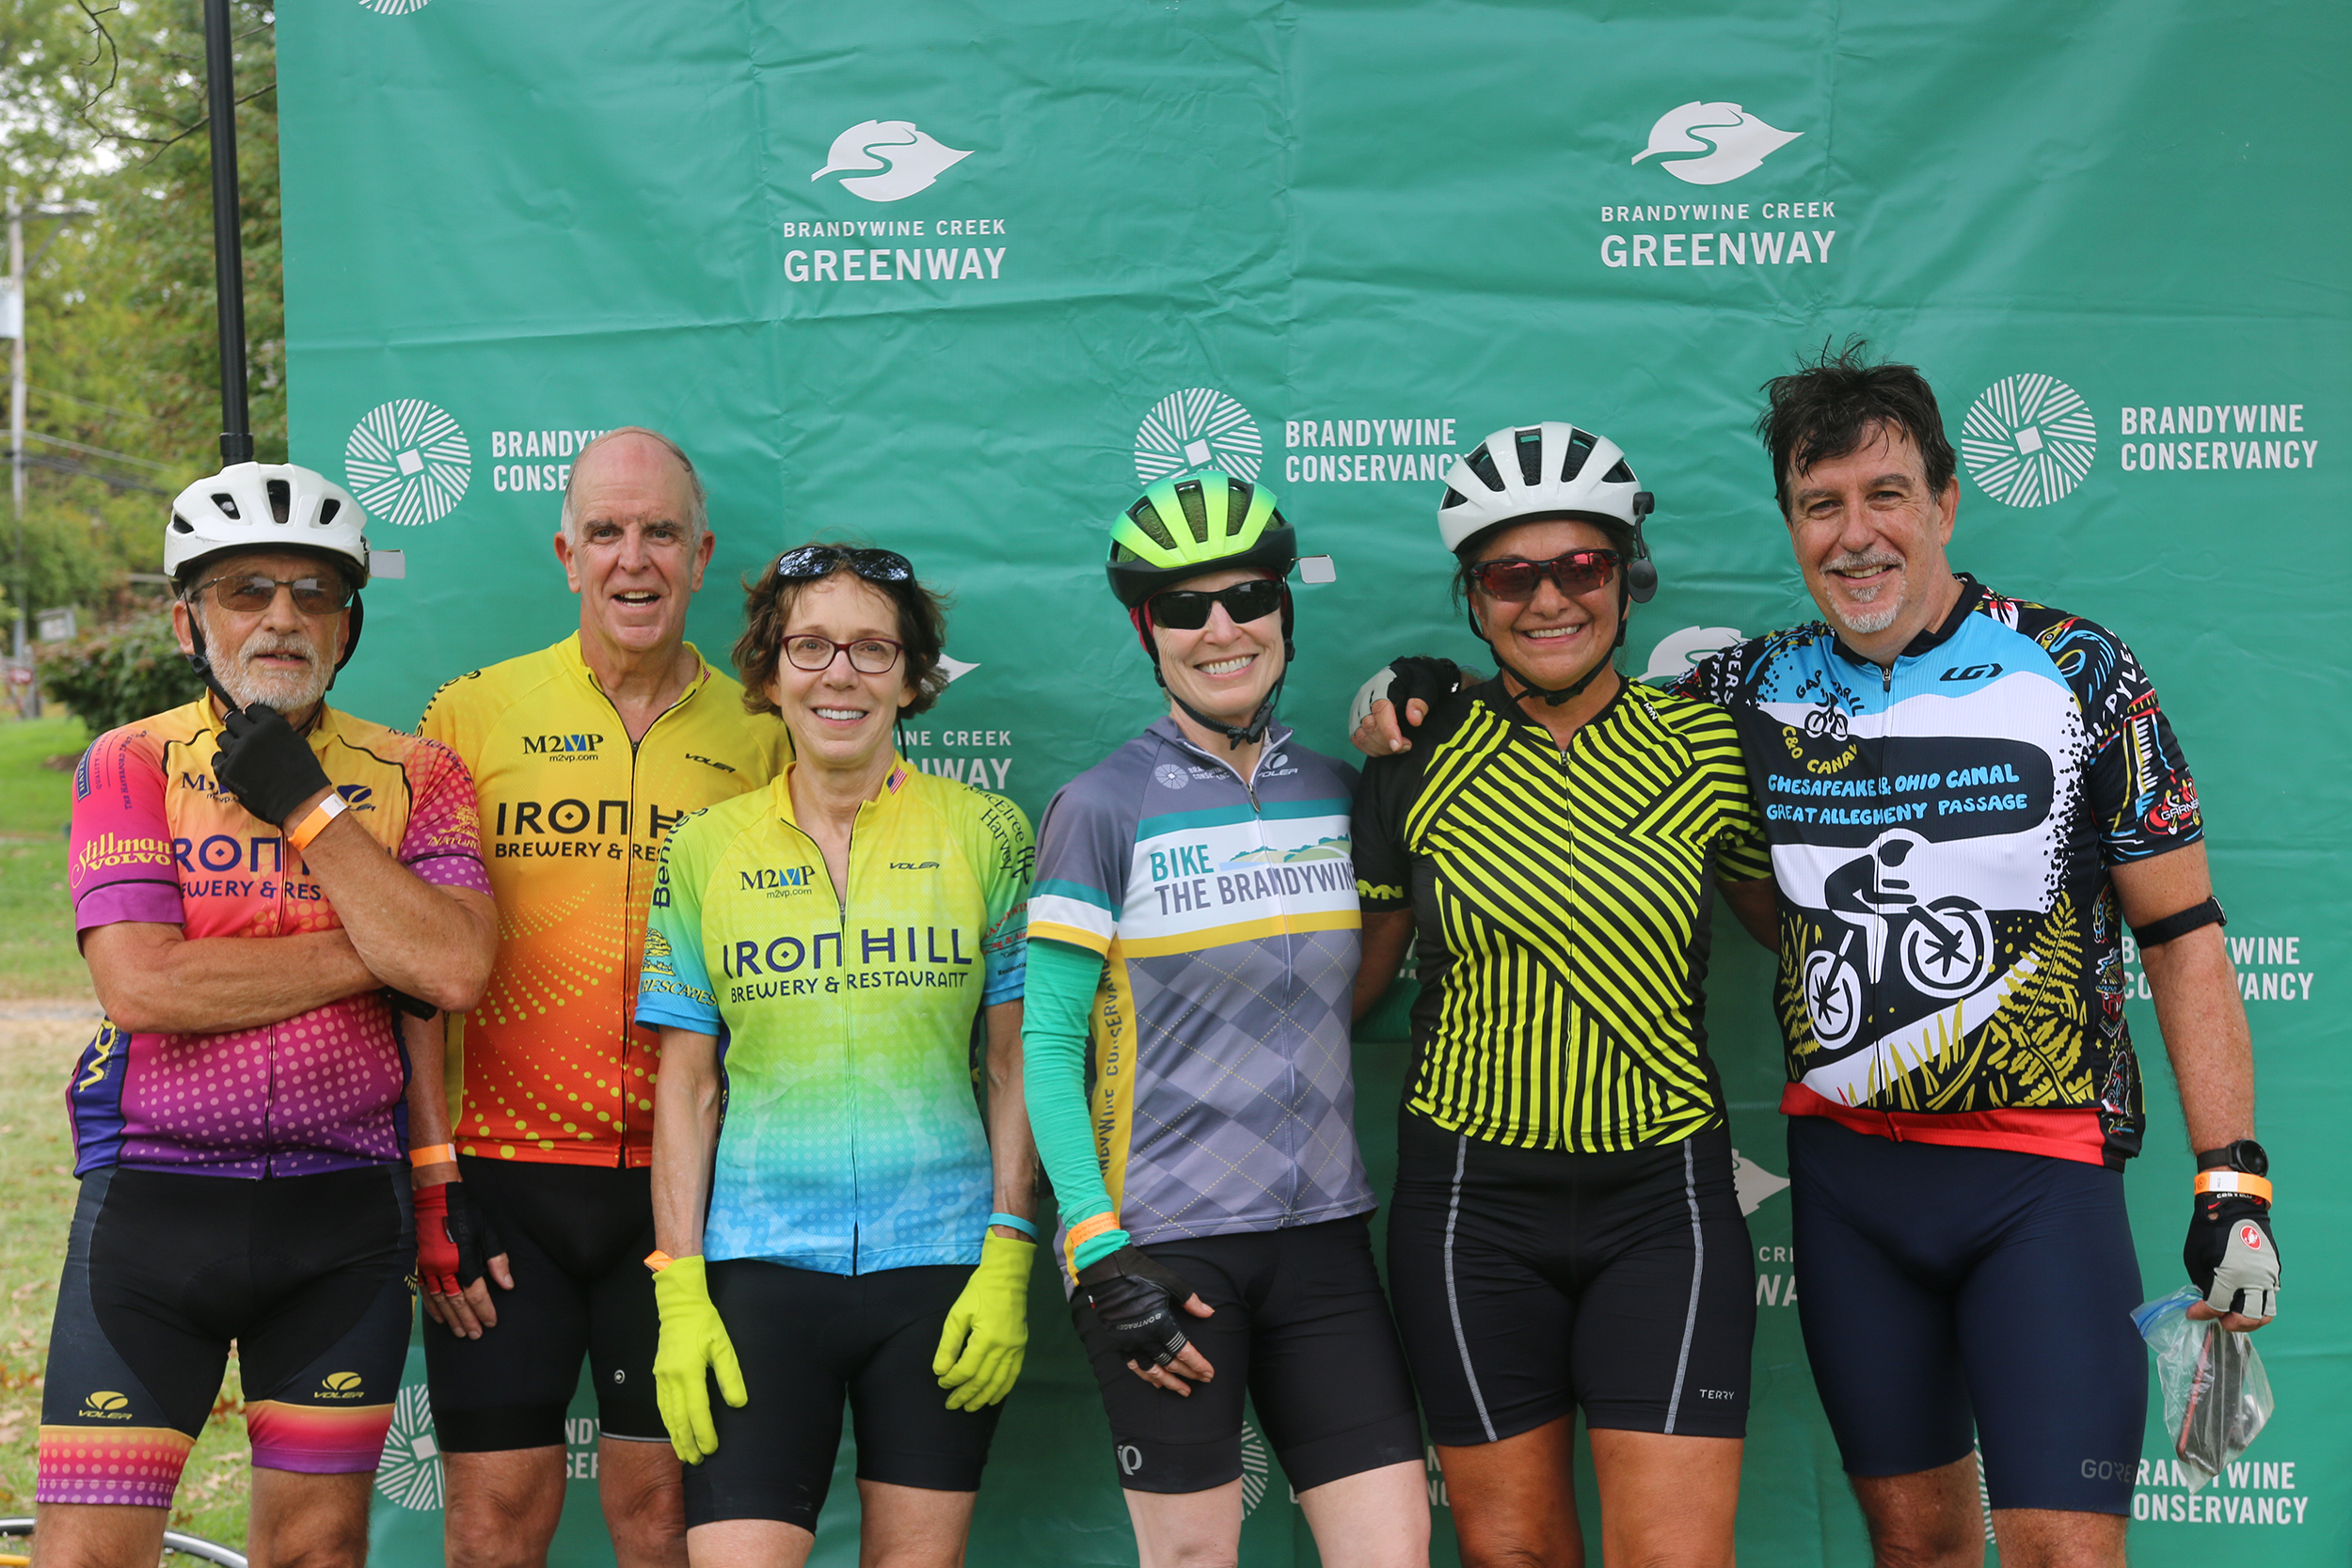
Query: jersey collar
[
  {"x": 1930, "y": 638},
  {"x": 894, "y": 786},
  {"x": 1167, "y": 729},
  {"x": 576, "y": 662}
]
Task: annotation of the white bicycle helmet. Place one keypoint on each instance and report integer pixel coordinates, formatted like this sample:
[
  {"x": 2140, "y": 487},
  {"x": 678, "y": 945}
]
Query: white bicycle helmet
[
  {"x": 237, "y": 508},
  {"x": 1530, "y": 470}
]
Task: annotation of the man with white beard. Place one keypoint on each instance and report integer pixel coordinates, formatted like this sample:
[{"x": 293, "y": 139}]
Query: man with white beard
[
  {"x": 257, "y": 880},
  {"x": 1969, "y": 796}
]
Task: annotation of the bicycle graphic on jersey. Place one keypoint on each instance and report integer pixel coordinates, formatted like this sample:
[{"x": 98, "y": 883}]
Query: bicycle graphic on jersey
[{"x": 1942, "y": 946}]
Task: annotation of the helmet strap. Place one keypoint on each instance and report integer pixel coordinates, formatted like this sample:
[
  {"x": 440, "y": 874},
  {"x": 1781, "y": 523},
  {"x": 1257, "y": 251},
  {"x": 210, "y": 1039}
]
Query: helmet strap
[
  {"x": 1552, "y": 697},
  {"x": 1236, "y": 737}
]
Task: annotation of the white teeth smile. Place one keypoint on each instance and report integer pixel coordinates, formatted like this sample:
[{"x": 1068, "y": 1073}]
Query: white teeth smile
[
  {"x": 1227, "y": 666},
  {"x": 636, "y": 598},
  {"x": 848, "y": 714}
]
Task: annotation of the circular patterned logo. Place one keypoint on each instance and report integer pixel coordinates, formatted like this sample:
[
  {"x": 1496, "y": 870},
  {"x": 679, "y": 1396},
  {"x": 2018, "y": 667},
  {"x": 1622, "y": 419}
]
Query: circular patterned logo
[
  {"x": 2029, "y": 440},
  {"x": 1197, "y": 428},
  {"x": 1253, "y": 1468},
  {"x": 408, "y": 461},
  {"x": 395, "y": 8},
  {"x": 410, "y": 1473},
  {"x": 1171, "y": 776}
]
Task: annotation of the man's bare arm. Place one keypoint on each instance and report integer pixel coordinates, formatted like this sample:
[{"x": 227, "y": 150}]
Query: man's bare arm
[
  {"x": 433, "y": 942},
  {"x": 2197, "y": 1004},
  {"x": 151, "y": 977}
]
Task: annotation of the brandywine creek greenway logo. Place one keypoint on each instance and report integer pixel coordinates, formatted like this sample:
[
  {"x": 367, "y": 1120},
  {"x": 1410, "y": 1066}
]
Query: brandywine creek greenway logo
[
  {"x": 1198, "y": 428},
  {"x": 890, "y": 160},
  {"x": 407, "y": 462},
  {"x": 1732, "y": 142},
  {"x": 1711, "y": 142},
  {"x": 2028, "y": 439}
]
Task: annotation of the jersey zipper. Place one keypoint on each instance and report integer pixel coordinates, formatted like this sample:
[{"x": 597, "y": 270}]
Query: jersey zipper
[
  {"x": 1290, "y": 957},
  {"x": 848, "y": 1064},
  {"x": 629, "y": 897}
]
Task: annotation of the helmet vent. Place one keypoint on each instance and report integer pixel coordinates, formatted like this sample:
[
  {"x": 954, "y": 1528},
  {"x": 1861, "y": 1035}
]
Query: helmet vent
[
  {"x": 1579, "y": 447},
  {"x": 1619, "y": 475},
  {"x": 228, "y": 504},
  {"x": 1238, "y": 494},
  {"x": 327, "y": 509},
  {"x": 1146, "y": 517},
  {"x": 1531, "y": 450},
  {"x": 181, "y": 525},
  {"x": 1452, "y": 498},
  {"x": 1195, "y": 510},
  {"x": 280, "y": 500},
  {"x": 1481, "y": 462}
]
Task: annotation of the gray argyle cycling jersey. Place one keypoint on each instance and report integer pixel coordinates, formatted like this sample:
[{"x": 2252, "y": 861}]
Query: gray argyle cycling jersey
[{"x": 1221, "y": 1094}]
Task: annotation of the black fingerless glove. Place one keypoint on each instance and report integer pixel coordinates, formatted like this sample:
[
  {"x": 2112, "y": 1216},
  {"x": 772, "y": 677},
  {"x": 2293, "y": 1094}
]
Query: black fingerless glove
[
  {"x": 1140, "y": 1303},
  {"x": 1429, "y": 680},
  {"x": 476, "y": 1238},
  {"x": 265, "y": 765},
  {"x": 2231, "y": 1255}
]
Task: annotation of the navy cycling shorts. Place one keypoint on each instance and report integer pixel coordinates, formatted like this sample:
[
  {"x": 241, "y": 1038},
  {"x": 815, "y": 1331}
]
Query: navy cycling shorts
[{"x": 1956, "y": 1297}]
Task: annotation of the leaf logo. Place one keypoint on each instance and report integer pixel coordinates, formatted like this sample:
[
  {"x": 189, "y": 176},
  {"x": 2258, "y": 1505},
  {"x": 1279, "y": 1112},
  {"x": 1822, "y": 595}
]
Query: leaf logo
[
  {"x": 909, "y": 160},
  {"x": 1732, "y": 141}
]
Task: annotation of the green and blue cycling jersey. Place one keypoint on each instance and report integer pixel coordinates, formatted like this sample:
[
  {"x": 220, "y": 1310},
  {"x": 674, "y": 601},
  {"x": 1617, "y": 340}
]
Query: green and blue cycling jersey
[{"x": 851, "y": 1140}]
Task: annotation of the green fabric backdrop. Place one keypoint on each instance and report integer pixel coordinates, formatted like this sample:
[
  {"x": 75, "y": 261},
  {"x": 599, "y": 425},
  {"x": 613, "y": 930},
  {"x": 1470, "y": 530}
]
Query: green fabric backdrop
[{"x": 1336, "y": 243}]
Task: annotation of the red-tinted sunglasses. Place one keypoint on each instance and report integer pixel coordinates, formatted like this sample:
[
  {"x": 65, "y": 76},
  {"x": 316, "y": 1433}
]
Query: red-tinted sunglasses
[{"x": 1577, "y": 572}]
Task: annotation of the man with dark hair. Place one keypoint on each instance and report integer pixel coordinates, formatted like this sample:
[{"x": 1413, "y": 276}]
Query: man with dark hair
[{"x": 1969, "y": 798}]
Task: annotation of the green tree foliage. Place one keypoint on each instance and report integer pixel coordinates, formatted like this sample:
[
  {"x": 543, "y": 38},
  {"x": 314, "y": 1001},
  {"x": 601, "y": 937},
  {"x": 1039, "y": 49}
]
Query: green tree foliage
[
  {"x": 106, "y": 104},
  {"x": 126, "y": 671}
]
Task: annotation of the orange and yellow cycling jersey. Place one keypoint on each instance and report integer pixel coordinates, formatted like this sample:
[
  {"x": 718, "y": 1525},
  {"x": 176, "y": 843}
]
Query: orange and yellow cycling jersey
[{"x": 573, "y": 814}]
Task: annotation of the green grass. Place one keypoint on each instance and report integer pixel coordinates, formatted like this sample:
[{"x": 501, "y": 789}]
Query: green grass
[
  {"x": 37, "y": 954},
  {"x": 38, "y": 959},
  {"x": 37, "y": 1194}
]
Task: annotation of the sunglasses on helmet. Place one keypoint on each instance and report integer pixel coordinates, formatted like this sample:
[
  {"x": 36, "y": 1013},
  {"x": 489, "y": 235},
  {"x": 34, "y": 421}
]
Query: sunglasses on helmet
[
  {"x": 1187, "y": 610},
  {"x": 1577, "y": 572}
]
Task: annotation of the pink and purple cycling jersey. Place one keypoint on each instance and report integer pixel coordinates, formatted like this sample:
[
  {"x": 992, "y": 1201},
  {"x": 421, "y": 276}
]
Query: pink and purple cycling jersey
[{"x": 155, "y": 841}]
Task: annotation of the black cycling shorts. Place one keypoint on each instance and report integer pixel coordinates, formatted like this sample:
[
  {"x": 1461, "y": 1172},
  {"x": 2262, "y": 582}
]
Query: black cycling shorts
[
  {"x": 1302, "y": 1329},
  {"x": 575, "y": 1237},
  {"x": 809, "y": 1341},
  {"x": 1958, "y": 1297},
  {"x": 1529, "y": 1282},
  {"x": 310, "y": 1276}
]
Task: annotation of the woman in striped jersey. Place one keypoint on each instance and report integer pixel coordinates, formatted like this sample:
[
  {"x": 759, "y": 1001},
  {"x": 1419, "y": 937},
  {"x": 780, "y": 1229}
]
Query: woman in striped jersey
[{"x": 1565, "y": 1233}]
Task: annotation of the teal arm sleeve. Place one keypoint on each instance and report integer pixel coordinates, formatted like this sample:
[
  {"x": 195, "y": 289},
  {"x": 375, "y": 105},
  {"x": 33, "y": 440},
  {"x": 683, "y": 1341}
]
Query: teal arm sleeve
[{"x": 1061, "y": 984}]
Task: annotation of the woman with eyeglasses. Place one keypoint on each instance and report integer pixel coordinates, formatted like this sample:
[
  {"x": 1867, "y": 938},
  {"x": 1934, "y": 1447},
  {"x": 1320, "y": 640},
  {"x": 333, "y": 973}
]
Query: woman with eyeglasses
[
  {"x": 1566, "y": 1233},
  {"x": 1194, "y": 943},
  {"x": 857, "y": 1229}
]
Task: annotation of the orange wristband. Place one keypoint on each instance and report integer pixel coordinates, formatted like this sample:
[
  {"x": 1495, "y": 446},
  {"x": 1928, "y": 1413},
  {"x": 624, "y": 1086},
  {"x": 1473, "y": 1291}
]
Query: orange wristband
[
  {"x": 1084, "y": 1232},
  {"x": 433, "y": 1154},
  {"x": 2233, "y": 1181},
  {"x": 302, "y": 833},
  {"x": 657, "y": 1261}
]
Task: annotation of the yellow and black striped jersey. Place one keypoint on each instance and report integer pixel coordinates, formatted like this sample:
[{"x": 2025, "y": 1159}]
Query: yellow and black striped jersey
[{"x": 1560, "y": 901}]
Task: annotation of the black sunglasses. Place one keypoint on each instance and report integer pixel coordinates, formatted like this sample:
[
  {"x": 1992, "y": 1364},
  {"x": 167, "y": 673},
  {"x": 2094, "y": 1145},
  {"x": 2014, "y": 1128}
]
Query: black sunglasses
[
  {"x": 1577, "y": 572},
  {"x": 1187, "y": 609},
  {"x": 816, "y": 560}
]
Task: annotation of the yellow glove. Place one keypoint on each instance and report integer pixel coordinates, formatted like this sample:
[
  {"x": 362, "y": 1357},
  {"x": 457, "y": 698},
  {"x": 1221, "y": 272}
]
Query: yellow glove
[
  {"x": 988, "y": 1328},
  {"x": 693, "y": 1346}
]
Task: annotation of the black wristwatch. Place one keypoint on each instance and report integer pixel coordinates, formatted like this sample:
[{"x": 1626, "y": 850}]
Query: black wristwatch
[{"x": 2244, "y": 1155}]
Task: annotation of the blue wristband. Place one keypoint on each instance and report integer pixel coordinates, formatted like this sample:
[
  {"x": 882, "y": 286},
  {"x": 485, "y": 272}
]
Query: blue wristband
[{"x": 1016, "y": 1223}]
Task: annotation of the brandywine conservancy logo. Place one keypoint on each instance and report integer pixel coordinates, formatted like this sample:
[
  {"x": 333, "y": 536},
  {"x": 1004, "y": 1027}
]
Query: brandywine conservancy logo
[
  {"x": 408, "y": 461},
  {"x": 1197, "y": 428},
  {"x": 410, "y": 1473},
  {"x": 395, "y": 8},
  {"x": 2028, "y": 439},
  {"x": 1731, "y": 140},
  {"x": 909, "y": 160}
]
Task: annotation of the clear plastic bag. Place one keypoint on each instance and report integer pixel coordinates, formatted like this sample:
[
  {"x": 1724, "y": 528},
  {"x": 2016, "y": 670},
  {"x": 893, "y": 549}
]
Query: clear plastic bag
[{"x": 2215, "y": 1394}]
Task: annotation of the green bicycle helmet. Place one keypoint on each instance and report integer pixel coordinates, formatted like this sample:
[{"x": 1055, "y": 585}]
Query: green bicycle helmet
[{"x": 1181, "y": 527}]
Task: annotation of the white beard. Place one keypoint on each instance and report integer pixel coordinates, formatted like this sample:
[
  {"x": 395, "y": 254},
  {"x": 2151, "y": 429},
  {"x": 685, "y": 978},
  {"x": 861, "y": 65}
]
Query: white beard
[{"x": 289, "y": 692}]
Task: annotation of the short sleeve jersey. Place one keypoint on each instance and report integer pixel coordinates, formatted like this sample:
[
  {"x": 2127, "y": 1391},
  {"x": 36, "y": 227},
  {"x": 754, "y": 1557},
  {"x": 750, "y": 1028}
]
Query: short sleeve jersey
[
  {"x": 546, "y": 1066},
  {"x": 1222, "y": 1095},
  {"x": 852, "y": 1141},
  {"x": 155, "y": 841},
  {"x": 1560, "y": 896},
  {"x": 1941, "y": 832}
]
